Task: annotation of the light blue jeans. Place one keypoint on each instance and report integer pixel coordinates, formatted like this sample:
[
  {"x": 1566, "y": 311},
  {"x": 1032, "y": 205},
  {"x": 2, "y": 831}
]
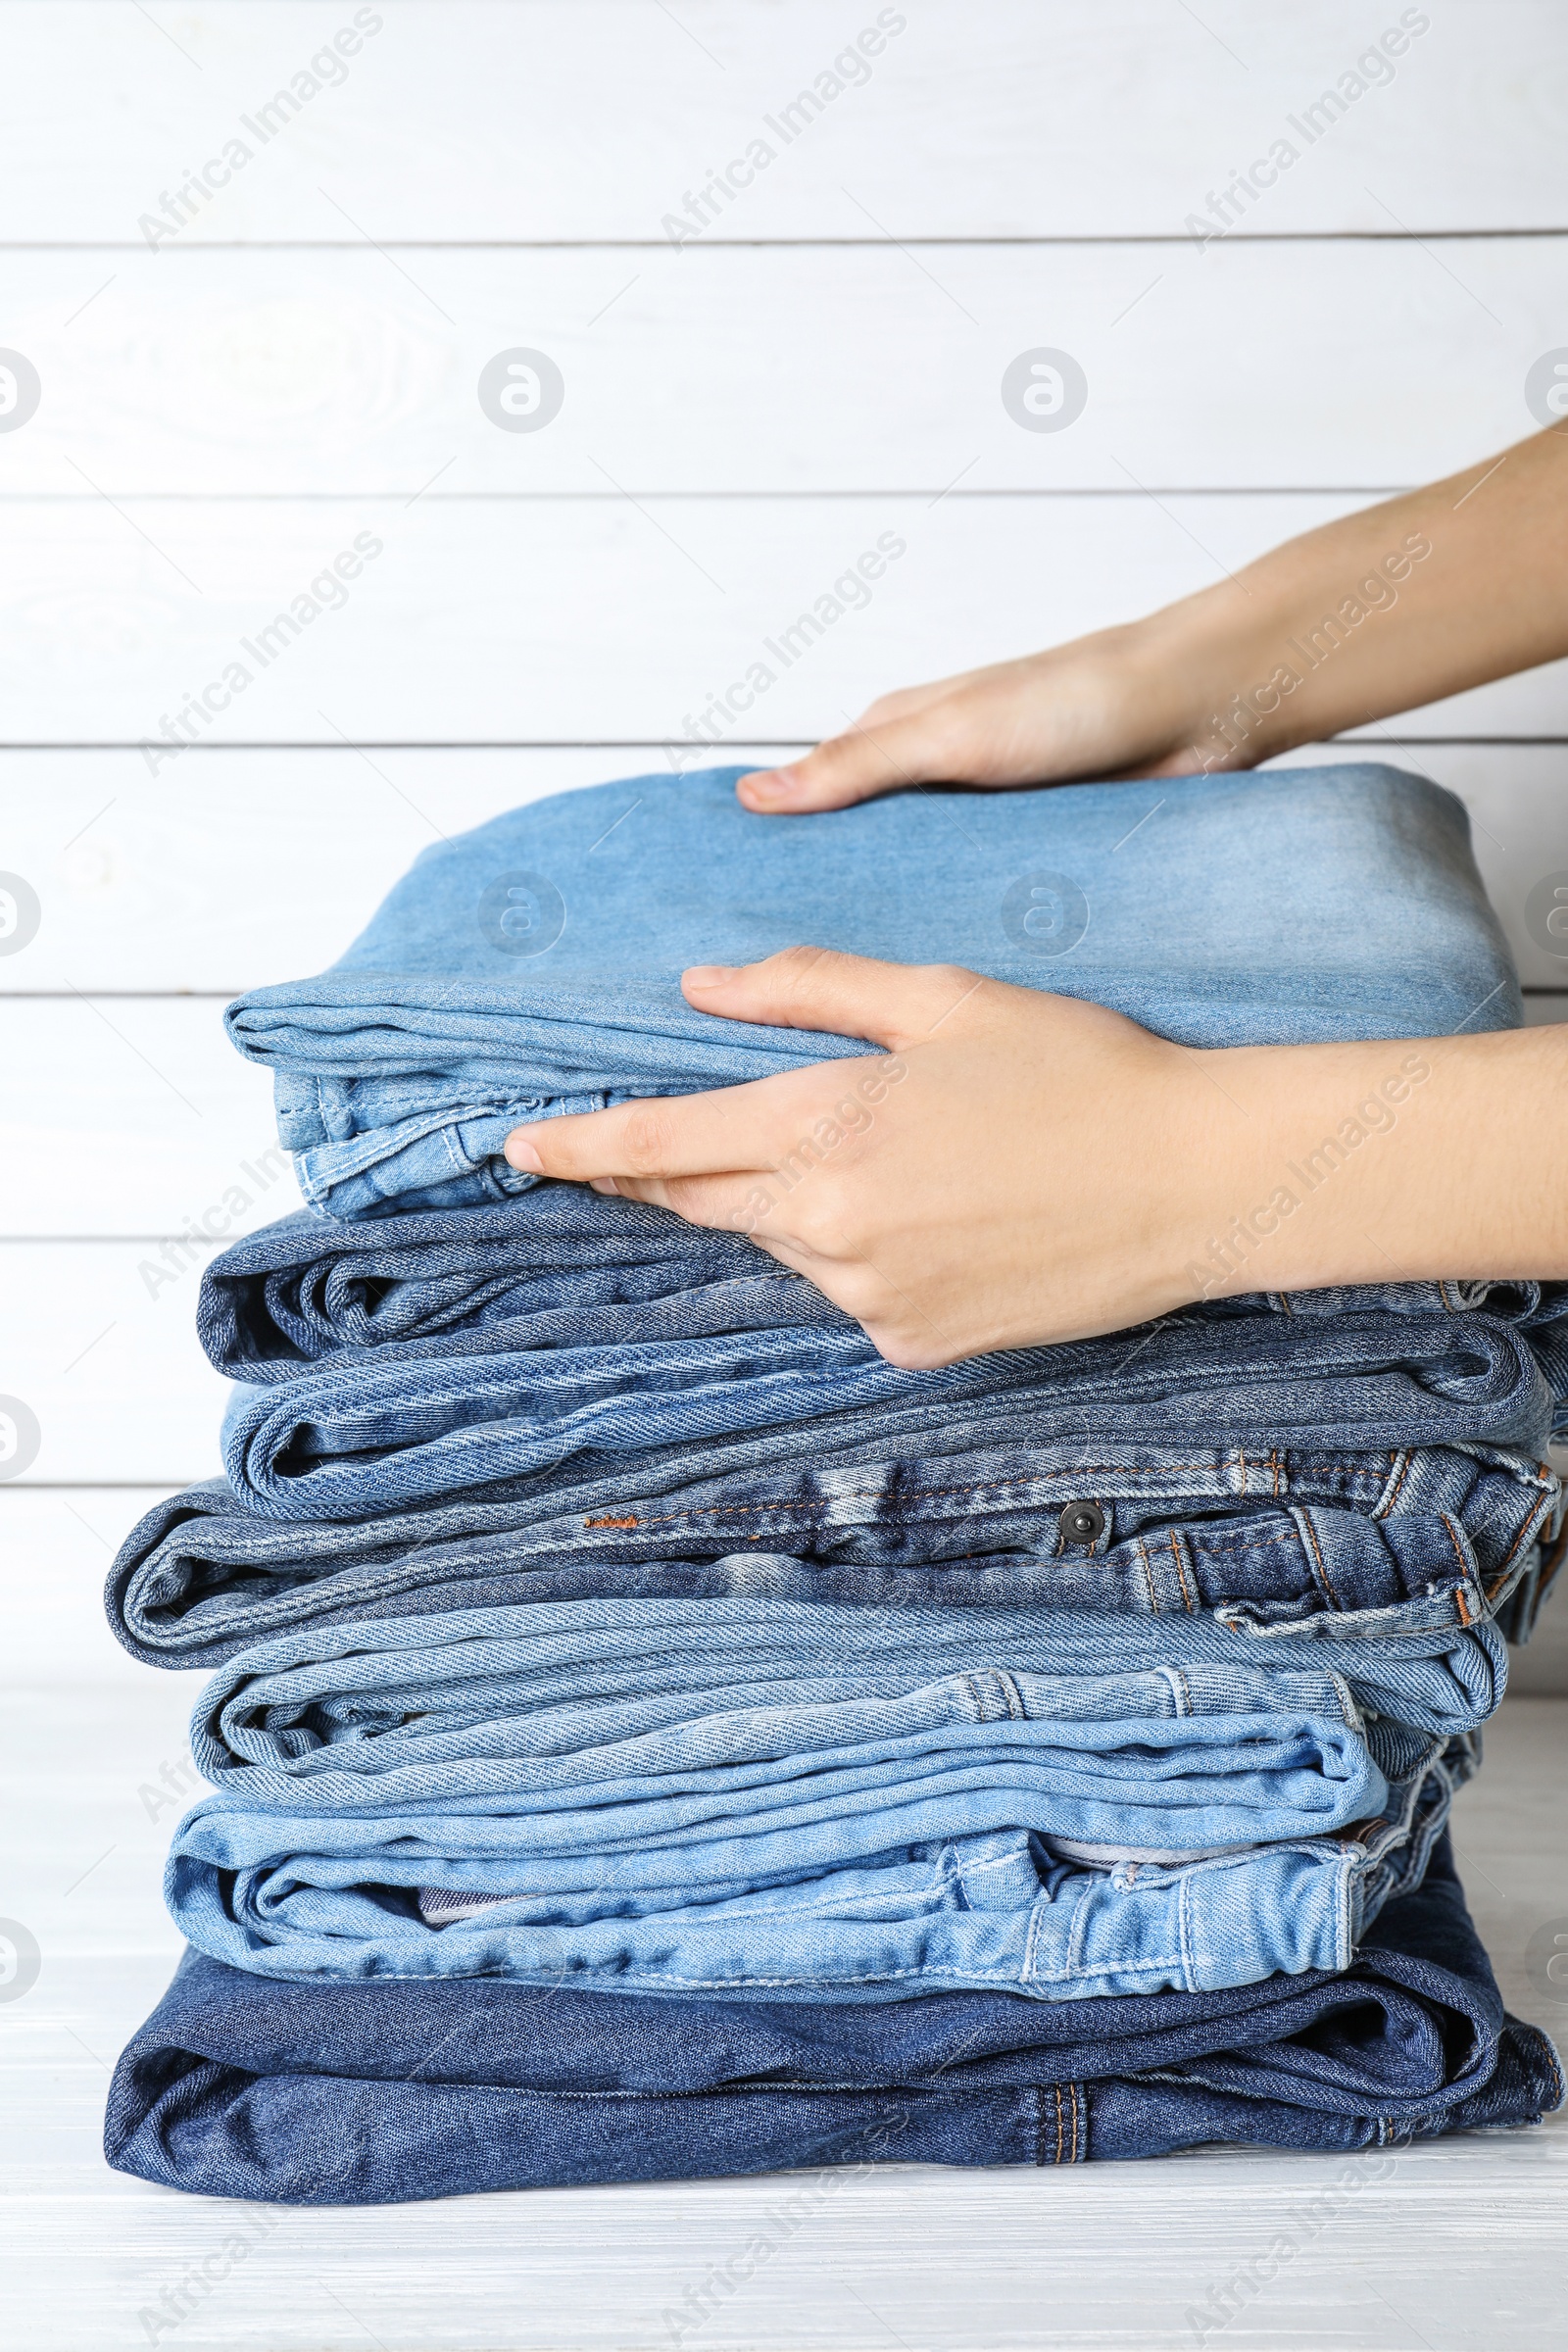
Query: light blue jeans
[
  {"x": 785, "y": 1770},
  {"x": 600, "y": 1703},
  {"x": 311, "y": 1895},
  {"x": 530, "y": 967}
]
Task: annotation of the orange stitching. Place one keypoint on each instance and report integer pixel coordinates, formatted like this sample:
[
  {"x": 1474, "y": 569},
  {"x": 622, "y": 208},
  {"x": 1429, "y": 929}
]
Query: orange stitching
[
  {"x": 731, "y": 1510},
  {"x": 1551, "y": 1561},
  {"x": 1524, "y": 1532},
  {"x": 1453, "y": 1537},
  {"x": 1385, "y": 1510},
  {"x": 1181, "y": 1573},
  {"x": 979, "y": 1486},
  {"x": 1279, "y": 1535},
  {"x": 1141, "y": 1550},
  {"x": 1318, "y": 1555}
]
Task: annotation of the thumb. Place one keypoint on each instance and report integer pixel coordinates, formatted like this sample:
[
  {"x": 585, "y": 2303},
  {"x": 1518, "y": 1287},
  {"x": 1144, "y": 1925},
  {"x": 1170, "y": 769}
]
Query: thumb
[
  {"x": 913, "y": 748},
  {"x": 892, "y": 1005}
]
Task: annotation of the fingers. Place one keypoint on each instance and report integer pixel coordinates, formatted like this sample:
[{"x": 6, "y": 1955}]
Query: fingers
[
  {"x": 729, "y": 1203},
  {"x": 893, "y": 1004},
  {"x": 737, "y": 1128},
  {"x": 903, "y": 740},
  {"x": 676, "y": 1135}
]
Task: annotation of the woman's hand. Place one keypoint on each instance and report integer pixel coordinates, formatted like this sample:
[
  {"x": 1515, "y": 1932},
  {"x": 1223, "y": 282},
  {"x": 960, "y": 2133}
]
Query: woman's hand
[
  {"x": 1117, "y": 704},
  {"x": 1423, "y": 595},
  {"x": 1014, "y": 1168},
  {"x": 982, "y": 1183}
]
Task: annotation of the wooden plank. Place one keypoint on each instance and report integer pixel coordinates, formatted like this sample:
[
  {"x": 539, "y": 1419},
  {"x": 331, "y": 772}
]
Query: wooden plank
[
  {"x": 234, "y": 868},
  {"x": 100, "y": 1348},
  {"x": 718, "y": 368},
  {"x": 570, "y": 622},
  {"x": 55, "y": 1551},
  {"x": 598, "y": 118},
  {"x": 136, "y": 1116}
]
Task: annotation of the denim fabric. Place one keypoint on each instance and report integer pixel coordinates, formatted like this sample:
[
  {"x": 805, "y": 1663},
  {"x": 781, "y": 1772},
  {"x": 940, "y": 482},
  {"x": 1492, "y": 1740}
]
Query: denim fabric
[
  {"x": 460, "y": 1010},
  {"x": 568, "y": 1267},
  {"x": 244, "y": 2085},
  {"x": 797, "y": 1736},
  {"x": 339, "y": 1895},
  {"x": 299, "y": 2136},
  {"x": 550, "y": 1701},
  {"x": 1290, "y": 1534},
  {"x": 374, "y": 1437},
  {"x": 564, "y": 1265}
]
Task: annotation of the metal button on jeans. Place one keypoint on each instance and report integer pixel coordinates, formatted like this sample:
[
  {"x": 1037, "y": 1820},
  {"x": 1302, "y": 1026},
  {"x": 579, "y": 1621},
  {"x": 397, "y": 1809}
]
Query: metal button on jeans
[{"x": 1083, "y": 1523}]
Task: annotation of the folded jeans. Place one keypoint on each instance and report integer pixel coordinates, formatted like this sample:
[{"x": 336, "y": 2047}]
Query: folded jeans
[
  {"x": 325, "y": 1893},
  {"x": 1286, "y": 1533},
  {"x": 364, "y": 1435},
  {"x": 787, "y": 1747},
  {"x": 566, "y": 1266},
  {"x": 349, "y": 2093},
  {"x": 531, "y": 967}
]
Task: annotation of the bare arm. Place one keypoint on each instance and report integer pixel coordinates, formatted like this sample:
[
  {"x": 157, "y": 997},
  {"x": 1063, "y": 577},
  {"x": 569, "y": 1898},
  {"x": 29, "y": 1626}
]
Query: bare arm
[
  {"x": 1430, "y": 593},
  {"x": 1029, "y": 1168},
  {"x": 1019, "y": 1167}
]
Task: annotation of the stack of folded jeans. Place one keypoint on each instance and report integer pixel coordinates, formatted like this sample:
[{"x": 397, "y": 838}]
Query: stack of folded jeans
[{"x": 653, "y": 1736}]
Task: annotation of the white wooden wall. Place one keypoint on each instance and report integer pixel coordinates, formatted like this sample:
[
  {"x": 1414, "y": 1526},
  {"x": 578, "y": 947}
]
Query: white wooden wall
[{"x": 224, "y": 407}]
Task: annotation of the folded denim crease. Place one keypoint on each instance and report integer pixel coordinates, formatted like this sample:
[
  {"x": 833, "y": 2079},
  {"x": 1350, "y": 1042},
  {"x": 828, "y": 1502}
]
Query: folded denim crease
[
  {"x": 569, "y": 1266},
  {"x": 340, "y": 1442},
  {"x": 872, "y": 1888}
]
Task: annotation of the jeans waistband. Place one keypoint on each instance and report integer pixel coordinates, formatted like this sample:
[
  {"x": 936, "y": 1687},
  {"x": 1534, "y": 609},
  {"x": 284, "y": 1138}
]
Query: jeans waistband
[{"x": 1284, "y": 1531}]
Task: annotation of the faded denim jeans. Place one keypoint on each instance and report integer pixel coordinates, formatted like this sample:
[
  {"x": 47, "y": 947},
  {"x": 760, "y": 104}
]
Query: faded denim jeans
[
  {"x": 709, "y": 1794},
  {"x": 314, "y": 1895}
]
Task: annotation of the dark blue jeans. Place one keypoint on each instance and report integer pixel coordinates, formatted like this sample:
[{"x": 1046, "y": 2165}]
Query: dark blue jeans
[
  {"x": 325, "y": 2094},
  {"x": 963, "y": 1516}
]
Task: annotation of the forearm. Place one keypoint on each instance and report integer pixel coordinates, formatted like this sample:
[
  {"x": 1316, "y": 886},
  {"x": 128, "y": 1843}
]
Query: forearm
[
  {"x": 1314, "y": 1166},
  {"x": 1432, "y": 592}
]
